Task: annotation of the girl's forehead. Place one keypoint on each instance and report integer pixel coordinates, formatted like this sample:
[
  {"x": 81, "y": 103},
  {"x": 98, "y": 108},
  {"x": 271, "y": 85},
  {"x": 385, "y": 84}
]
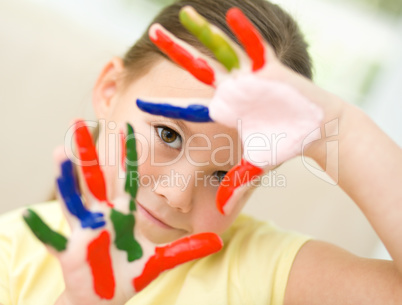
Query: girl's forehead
[{"x": 167, "y": 80}]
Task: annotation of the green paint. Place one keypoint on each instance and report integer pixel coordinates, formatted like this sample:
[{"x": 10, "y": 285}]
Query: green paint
[
  {"x": 131, "y": 185},
  {"x": 202, "y": 29},
  {"x": 124, "y": 229},
  {"x": 43, "y": 232},
  {"x": 133, "y": 205}
]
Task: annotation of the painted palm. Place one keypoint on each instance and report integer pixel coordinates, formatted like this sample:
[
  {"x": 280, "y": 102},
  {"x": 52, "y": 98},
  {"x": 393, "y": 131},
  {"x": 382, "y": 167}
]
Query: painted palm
[{"x": 102, "y": 259}]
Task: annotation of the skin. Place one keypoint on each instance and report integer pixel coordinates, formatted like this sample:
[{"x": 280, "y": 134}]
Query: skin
[
  {"x": 325, "y": 274},
  {"x": 192, "y": 210},
  {"x": 321, "y": 273},
  {"x": 177, "y": 212},
  {"x": 267, "y": 107},
  {"x": 111, "y": 276}
]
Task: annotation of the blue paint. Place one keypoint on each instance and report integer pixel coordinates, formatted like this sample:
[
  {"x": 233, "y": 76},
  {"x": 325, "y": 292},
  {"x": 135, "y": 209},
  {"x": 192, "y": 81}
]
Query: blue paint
[
  {"x": 71, "y": 197},
  {"x": 193, "y": 113}
]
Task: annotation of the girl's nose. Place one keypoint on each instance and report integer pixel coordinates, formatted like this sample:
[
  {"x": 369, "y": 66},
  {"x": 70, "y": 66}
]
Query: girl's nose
[{"x": 179, "y": 193}]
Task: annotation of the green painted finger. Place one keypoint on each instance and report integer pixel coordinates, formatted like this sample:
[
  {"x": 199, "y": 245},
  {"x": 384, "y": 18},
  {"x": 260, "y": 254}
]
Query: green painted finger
[
  {"x": 124, "y": 229},
  {"x": 131, "y": 185},
  {"x": 208, "y": 35},
  {"x": 43, "y": 232}
]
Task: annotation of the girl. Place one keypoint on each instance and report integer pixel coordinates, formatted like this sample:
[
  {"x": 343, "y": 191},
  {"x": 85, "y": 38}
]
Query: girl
[{"x": 267, "y": 87}]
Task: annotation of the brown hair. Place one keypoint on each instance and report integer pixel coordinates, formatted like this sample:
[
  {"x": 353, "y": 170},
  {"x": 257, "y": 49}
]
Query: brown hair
[{"x": 276, "y": 26}]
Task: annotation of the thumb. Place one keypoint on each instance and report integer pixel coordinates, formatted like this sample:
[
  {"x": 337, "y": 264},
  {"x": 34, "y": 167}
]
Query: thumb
[{"x": 179, "y": 252}]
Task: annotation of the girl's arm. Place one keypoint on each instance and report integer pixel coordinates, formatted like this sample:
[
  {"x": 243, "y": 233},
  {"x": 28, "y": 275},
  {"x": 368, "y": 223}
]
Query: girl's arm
[{"x": 369, "y": 170}]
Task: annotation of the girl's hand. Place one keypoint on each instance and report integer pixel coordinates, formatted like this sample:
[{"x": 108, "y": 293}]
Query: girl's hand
[
  {"x": 270, "y": 102},
  {"x": 104, "y": 261}
]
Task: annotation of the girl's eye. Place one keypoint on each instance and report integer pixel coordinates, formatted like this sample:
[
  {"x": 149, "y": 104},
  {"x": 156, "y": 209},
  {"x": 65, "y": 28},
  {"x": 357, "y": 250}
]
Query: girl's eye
[
  {"x": 220, "y": 175},
  {"x": 169, "y": 136}
]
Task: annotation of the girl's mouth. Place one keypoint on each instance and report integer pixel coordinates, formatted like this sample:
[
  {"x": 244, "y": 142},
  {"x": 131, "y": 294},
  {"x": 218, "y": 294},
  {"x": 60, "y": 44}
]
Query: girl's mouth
[{"x": 148, "y": 214}]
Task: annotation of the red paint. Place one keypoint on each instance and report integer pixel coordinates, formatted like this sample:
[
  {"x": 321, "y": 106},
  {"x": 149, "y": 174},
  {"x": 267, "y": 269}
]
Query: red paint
[
  {"x": 123, "y": 150},
  {"x": 237, "y": 176},
  {"x": 176, "y": 253},
  {"x": 87, "y": 151},
  {"x": 99, "y": 260},
  {"x": 198, "y": 67},
  {"x": 248, "y": 35}
]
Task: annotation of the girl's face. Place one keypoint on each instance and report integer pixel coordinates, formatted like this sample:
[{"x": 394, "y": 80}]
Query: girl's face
[{"x": 180, "y": 163}]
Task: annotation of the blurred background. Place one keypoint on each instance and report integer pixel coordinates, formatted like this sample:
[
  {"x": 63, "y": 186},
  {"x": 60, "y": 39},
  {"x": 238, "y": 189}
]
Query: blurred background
[{"x": 52, "y": 51}]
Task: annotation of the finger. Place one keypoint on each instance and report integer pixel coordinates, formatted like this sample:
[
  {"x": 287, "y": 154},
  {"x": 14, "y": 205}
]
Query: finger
[
  {"x": 176, "y": 253},
  {"x": 236, "y": 177},
  {"x": 132, "y": 177},
  {"x": 225, "y": 50},
  {"x": 185, "y": 55},
  {"x": 248, "y": 36},
  {"x": 68, "y": 191},
  {"x": 124, "y": 235},
  {"x": 100, "y": 262},
  {"x": 43, "y": 232},
  {"x": 89, "y": 166},
  {"x": 59, "y": 156},
  {"x": 193, "y": 113}
]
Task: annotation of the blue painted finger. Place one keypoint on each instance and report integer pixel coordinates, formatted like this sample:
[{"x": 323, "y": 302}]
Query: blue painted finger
[
  {"x": 192, "y": 113},
  {"x": 71, "y": 197}
]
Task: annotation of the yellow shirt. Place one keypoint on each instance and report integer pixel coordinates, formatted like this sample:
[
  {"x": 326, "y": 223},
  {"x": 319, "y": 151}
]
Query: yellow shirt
[{"x": 252, "y": 268}]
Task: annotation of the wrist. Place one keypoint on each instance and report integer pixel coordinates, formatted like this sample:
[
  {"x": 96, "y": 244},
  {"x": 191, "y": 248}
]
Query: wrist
[{"x": 332, "y": 129}]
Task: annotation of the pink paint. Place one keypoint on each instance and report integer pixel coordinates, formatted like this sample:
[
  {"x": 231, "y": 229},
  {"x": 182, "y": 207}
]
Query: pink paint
[
  {"x": 100, "y": 262},
  {"x": 270, "y": 110}
]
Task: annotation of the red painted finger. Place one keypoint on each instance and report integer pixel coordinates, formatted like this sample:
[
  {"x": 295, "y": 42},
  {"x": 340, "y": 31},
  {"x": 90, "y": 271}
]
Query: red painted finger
[
  {"x": 100, "y": 262},
  {"x": 89, "y": 162},
  {"x": 197, "y": 66},
  {"x": 176, "y": 253},
  {"x": 248, "y": 36},
  {"x": 237, "y": 176}
]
